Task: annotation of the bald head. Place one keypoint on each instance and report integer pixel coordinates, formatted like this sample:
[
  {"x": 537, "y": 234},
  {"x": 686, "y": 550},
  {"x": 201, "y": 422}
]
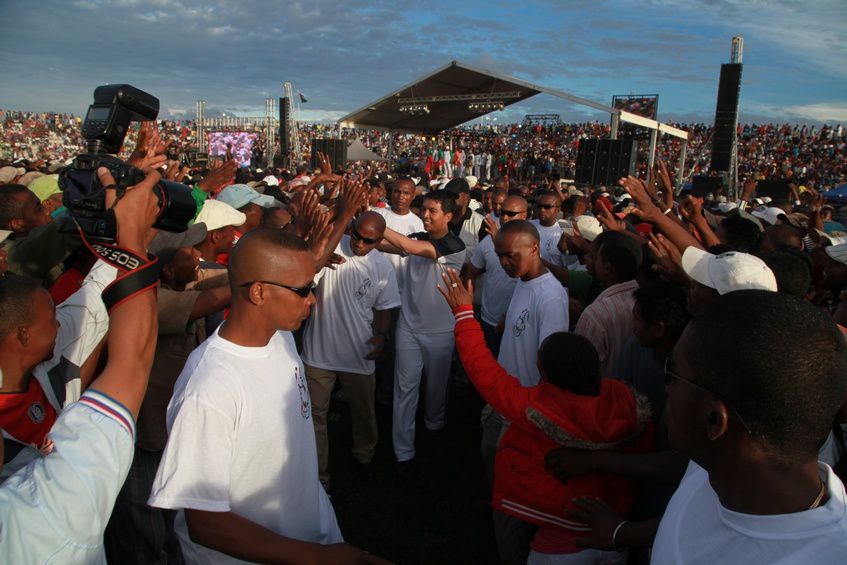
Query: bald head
[
  {"x": 515, "y": 203},
  {"x": 522, "y": 227},
  {"x": 371, "y": 222},
  {"x": 269, "y": 254}
]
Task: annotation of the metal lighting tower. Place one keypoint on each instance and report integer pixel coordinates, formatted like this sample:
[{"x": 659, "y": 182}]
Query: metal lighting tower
[
  {"x": 200, "y": 116},
  {"x": 270, "y": 125},
  {"x": 291, "y": 128}
]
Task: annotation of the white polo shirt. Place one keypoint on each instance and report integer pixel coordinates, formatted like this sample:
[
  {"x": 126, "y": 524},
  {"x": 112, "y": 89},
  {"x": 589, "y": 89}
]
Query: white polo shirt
[{"x": 344, "y": 311}]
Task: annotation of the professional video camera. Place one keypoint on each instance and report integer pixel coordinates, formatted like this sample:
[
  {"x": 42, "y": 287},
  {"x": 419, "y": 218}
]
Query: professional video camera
[{"x": 115, "y": 107}]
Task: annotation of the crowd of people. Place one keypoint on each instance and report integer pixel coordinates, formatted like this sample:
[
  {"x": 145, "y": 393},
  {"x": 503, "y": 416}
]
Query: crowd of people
[
  {"x": 664, "y": 374},
  {"x": 809, "y": 154}
]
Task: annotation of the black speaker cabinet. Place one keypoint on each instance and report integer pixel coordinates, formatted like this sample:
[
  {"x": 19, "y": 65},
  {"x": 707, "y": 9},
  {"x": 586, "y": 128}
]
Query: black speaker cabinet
[
  {"x": 726, "y": 117},
  {"x": 335, "y": 149}
]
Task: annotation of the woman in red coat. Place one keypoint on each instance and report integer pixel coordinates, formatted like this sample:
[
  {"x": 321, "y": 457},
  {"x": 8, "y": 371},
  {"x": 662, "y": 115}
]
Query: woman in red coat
[{"x": 571, "y": 406}]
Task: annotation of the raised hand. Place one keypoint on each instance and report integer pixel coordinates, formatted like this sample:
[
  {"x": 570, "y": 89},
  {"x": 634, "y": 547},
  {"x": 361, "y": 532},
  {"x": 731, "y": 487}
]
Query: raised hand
[
  {"x": 454, "y": 292},
  {"x": 609, "y": 220},
  {"x": 135, "y": 212},
  {"x": 668, "y": 259},
  {"x": 667, "y": 185},
  {"x": 490, "y": 225},
  {"x": 220, "y": 176},
  {"x": 636, "y": 188},
  {"x": 149, "y": 152}
]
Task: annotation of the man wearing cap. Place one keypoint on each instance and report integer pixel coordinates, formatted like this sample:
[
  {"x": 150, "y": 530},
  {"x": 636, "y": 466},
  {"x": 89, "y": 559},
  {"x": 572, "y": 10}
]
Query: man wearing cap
[
  {"x": 358, "y": 296},
  {"x": 221, "y": 222},
  {"x": 466, "y": 224},
  {"x": 46, "y": 188},
  {"x": 248, "y": 202},
  {"x": 137, "y": 533},
  {"x": 715, "y": 275}
]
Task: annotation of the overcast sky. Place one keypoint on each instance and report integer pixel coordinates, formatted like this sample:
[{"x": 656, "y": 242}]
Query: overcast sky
[{"x": 343, "y": 54}]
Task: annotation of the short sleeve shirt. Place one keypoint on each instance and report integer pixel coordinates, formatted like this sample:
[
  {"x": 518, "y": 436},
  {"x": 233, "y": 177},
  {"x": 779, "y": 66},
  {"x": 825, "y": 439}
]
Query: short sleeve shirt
[{"x": 423, "y": 308}]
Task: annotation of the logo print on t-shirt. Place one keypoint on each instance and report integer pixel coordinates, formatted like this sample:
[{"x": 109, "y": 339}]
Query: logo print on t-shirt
[
  {"x": 305, "y": 406},
  {"x": 36, "y": 412},
  {"x": 520, "y": 324},
  {"x": 363, "y": 290}
]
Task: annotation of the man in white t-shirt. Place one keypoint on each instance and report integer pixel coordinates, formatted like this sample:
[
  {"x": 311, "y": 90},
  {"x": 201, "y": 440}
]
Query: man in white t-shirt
[
  {"x": 240, "y": 463},
  {"x": 400, "y": 218},
  {"x": 549, "y": 206},
  {"x": 755, "y": 383},
  {"x": 539, "y": 307},
  {"x": 497, "y": 286},
  {"x": 424, "y": 337},
  {"x": 353, "y": 313}
]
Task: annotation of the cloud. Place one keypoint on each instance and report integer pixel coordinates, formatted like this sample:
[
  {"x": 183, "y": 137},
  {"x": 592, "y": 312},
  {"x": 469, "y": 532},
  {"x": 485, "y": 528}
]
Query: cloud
[
  {"x": 234, "y": 55},
  {"x": 822, "y": 112}
]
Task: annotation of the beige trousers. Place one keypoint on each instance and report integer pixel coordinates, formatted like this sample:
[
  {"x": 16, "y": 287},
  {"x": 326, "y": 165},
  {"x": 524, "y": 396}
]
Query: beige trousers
[{"x": 359, "y": 392}]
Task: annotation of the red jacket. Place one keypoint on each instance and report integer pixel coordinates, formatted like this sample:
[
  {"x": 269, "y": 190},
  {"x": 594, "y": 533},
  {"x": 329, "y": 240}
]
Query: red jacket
[{"x": 543, "y": 418}]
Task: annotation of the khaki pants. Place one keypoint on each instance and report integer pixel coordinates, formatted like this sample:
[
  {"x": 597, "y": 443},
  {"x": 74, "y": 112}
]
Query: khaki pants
[{"x": 359, "y": 392}]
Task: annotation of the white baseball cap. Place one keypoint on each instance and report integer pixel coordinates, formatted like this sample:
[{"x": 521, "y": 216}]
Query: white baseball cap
[
  {"x": 838, "y": 252},
  {"x": 589, "y": 227},
  {"x": 729, "y": 271},
  {"x": 217, "y": 214},
  {"x": 770, "y": 215}
]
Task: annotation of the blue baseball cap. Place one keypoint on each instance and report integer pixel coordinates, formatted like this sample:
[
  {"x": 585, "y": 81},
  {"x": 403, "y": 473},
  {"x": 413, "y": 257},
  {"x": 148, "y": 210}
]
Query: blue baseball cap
[{"x": 240, "y": 195}]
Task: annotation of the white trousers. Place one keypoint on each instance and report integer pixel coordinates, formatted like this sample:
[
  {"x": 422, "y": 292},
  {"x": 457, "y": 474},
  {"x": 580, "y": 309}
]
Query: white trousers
[{"x": 417, "y": 352}]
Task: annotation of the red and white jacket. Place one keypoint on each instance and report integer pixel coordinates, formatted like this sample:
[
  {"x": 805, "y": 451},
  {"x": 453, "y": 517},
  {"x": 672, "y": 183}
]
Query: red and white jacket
[{"x": 543, "y": 418}]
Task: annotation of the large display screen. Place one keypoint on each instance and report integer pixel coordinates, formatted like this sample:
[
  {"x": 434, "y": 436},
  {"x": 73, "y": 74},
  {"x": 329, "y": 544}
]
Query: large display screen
[
  {"x": 238, "y": 143},
  {"x": 645, "y": 105}
]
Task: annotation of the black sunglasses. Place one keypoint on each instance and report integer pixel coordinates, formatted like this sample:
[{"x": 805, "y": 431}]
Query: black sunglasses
[
  {"x": 511, "y": 213},
  {"x": 369, "y": 241},
  {"x": 302, "y": 292},
  {"x": 548, "y": 206},
  {"x": 670, "y": 376}
]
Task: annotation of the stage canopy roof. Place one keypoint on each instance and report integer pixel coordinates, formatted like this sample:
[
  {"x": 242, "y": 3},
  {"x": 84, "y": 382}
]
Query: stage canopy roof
[{"x": 446, "y": 97}]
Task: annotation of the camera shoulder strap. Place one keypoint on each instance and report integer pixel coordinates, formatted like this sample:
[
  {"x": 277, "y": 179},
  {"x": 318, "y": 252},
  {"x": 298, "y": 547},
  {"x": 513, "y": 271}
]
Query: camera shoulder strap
[{"x": 136, "y": 274}]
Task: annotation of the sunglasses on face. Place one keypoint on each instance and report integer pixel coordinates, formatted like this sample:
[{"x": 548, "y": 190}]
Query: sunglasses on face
[
  {"x": 367, "y": 240},
  {"x": 302, "y": 292},
  {"x": 510, "y": 213},
  {"x": 670, "y": 376},
  {"x": 548, "y": 206}
]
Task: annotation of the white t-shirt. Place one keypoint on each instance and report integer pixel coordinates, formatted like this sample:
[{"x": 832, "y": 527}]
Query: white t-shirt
[
  {"x": 697, "y": 529},
  {"x": 550, "y": 237},
  {"x": 497, "y": 287},
  {"x": 405, "y": 225},
  {"x": 423, "y": 309},
  {"x": 337, "y": 333},
  {"x": 539, "y": 307},
  {"x": 242, "y": 440}
]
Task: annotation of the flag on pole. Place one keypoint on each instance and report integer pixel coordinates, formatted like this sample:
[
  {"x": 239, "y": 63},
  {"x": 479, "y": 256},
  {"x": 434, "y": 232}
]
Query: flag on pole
[{"x": 302, "y": 98}]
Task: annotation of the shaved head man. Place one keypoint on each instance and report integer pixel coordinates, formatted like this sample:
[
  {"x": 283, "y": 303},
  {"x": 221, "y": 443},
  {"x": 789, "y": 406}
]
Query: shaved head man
[
  {"x": 538, "y": 308},
  {"x": 241, "y": 454},
  {"x": 358, "y": 295},
  {"x": 549, "y": 207}
]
